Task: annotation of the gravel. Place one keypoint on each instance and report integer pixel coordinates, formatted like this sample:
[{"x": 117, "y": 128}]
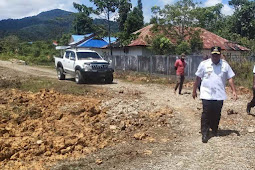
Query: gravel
[{"x": 234, "y": 149}]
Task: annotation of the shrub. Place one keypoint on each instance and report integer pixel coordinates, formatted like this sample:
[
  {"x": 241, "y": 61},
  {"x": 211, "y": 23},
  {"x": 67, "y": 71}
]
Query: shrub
[{"x": 243, "y": 71}]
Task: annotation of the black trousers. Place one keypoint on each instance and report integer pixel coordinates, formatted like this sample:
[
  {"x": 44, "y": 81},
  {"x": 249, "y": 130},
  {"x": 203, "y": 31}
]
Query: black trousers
[
  {"x": 252, "y": 103},
  {"x": 179, "y": 83},
  {"x": 211, "y": 115}
]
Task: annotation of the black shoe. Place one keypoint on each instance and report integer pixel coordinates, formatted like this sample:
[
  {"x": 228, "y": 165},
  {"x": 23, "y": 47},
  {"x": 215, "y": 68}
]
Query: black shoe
[
  {"x": 248, "y": 109},
  {"x": 215, "y": 133},
  {"x": 204, "y": 139}
]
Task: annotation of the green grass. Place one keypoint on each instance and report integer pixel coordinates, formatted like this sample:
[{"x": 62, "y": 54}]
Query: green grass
[
  {"x": 138, "y": 77},
  {"x": 36, "y": 84},
  {"x": 5, "y": 57},
  {"x": 42, "y": 60}
]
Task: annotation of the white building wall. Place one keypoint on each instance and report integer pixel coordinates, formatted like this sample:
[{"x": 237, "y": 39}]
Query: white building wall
[
  {"x": 118, "y": 51},
  {"x": 132, "y": 51}
]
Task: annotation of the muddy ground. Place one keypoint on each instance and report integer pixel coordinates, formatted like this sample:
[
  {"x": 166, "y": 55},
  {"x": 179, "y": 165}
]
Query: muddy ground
[{"x": 130, "y": 124}]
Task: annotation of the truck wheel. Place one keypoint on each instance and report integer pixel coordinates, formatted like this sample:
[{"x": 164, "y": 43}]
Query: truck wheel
[
  {"x": 78, "y": 77},
  {"x": 60, "y": 73},
  {"x": 109, "y": 79}
]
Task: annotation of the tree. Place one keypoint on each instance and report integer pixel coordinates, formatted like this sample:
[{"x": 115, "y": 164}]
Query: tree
[
  {"x": 178, "y": 17},
  {"x": 209, "y": 18},
  {"x": 64, "y": 40},
  {"x": 183, "y": 47},
  {"x": 140, "y": 7},
  {"x": 107, "y": 7},
  {"x": 83, "y": 23},
  {"x": 243, "y": 18},
  {"x": 155, "y": 10},
  {"x": 195, "y": 41},
  {"x": 177, "y": 23},
  {"x": 124, "y": 38},
  {"x": 237, "y": 4},
  {"x": 161, "y": 45},
  {"x": 124, "y": 9},
  {"x": 133, "y": 22},
  {"x": 10, "y": 44}
]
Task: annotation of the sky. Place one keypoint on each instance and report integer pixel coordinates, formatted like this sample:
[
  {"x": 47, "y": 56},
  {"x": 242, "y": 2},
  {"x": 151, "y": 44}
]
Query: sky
[{"x": 16, "y": 9}]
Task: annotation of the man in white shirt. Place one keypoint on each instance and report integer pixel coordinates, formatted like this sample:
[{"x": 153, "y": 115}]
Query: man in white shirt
[
  {"x": 252, "y": 103},
  {"x": 214, "y": 73}
]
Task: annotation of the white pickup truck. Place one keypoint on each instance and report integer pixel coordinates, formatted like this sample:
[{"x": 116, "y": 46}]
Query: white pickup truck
[{"x": 83, "y": 65}]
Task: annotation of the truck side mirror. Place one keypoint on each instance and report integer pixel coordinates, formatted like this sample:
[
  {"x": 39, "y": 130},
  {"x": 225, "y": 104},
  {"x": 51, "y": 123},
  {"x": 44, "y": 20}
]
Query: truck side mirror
[{"x": 72, "y": 58}]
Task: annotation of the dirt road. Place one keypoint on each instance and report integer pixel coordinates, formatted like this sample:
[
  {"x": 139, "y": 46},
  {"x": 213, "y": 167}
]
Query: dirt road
[{"x": 182, "y": 147}]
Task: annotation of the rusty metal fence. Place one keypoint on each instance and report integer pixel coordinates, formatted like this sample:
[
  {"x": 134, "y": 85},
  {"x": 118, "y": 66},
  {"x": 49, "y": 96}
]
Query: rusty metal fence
[
  {"x": 164, "y": 65},
  {"x": 156, "y": 64}
]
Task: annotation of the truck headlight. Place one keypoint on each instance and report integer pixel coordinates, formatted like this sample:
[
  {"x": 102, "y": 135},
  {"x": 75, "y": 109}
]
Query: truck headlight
[
  {"x": 109, "y": 65},
  {"x": 87, "y": 67}
]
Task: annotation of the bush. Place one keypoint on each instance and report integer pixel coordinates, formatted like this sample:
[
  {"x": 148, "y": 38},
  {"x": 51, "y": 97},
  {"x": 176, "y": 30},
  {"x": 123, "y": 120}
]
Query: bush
[
  {"x": 161, "y": 45},
  {"x": 183, "y": 47},
  {"x": 244, "y": 74},
  {"x": 40, "y": 52}
]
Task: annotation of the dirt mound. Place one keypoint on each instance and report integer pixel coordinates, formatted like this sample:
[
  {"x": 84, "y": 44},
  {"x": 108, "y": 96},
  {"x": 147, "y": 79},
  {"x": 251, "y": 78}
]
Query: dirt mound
[
  {"x": 240, "y": 90},
  {"x": 188, "y": 85},
  {"x": 40, "y": 128},
  {"x": 47, "y": 123},
  {"x": 9, "y": 82}
]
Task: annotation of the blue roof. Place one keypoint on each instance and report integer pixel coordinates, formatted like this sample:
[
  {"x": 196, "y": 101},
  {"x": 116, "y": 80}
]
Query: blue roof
[
  {"x": 78, "y": 38},
  {"x": 113, "y": 39},
  {"x": 94, "y": 43}
]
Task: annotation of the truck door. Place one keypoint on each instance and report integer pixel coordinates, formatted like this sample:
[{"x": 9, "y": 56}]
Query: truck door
[
  {"x": 71, "y": 61},
  {"x": 65, "y": 60}
]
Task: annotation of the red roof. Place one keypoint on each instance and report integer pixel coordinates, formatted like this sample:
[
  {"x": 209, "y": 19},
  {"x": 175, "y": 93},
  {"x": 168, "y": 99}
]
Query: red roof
[
  {"x": 144, "y": 32},
  {"x": 209, "y": 40}
]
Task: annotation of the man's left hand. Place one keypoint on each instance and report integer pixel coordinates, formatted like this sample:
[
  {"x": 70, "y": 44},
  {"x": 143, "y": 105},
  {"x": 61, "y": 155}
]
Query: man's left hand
[{"x": 235, "y": 96}]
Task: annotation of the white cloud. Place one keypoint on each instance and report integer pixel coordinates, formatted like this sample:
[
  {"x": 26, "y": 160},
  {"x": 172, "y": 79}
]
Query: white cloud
[
  {"x": 147, "y": 7},
  {"x": 147, "y": 13},
  {"x": 147, "y": 16},
  {"x": 212, "y": 2},
  {"x": 18, "y": 9},
  {"x": 165, "y": 2},
  {"x": 227, "y": 10}
]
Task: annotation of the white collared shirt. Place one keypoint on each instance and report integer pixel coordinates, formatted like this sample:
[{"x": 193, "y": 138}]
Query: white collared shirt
[
  {"x": 254, "y": 69},
  {"x": 214, "y": 79}
]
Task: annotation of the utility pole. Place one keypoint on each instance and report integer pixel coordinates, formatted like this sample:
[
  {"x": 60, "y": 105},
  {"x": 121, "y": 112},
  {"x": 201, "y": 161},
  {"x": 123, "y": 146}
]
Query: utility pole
[{"x": 109, "y": 30}]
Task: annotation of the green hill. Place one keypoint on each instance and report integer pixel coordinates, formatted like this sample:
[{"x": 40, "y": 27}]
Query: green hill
[{"x": 47, "y": 25}]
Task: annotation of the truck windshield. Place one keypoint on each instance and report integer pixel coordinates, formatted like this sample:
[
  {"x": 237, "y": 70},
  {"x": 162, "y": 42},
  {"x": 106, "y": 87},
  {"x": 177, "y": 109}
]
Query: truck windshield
[{"x": 88, "y": 56}]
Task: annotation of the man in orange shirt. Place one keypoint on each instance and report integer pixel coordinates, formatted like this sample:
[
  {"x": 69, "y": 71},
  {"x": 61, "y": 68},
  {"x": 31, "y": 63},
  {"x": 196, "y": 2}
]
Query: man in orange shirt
[{"x": 179, "y": 67}]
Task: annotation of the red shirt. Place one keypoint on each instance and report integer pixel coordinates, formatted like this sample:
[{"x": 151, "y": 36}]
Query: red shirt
[{"x": 180, "y": 65}]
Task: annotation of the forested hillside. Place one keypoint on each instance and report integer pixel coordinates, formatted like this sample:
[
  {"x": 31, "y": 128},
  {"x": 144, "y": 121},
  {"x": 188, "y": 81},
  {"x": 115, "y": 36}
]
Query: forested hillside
[{"x": 47, "y": 25}]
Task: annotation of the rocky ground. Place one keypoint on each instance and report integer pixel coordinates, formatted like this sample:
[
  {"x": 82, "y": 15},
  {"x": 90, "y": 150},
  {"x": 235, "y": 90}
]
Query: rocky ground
[{"x": 124, "y": 126}]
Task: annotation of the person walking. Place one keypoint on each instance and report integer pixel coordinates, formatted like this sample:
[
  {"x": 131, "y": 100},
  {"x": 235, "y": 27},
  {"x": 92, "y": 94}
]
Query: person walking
[
  {"x": 214, "y": 73},
  {"x": 252, "y": 102},
  {"x": 180, "y": 67}
]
